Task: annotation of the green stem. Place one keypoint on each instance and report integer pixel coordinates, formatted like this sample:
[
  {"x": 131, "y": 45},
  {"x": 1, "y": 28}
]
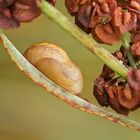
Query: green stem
[
  {"x": 126, "y": 46},
  {"x": 138, "y": 64},
  {"x": 87, "y": 41}
]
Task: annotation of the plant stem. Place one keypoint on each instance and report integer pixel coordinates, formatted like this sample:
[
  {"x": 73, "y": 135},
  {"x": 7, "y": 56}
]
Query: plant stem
[
  {"x": 56, "y": 90},
  {"x": 87, "y": 41},
  {"x": 138, "y": 64},
  {"x": 126, "y": 46}
]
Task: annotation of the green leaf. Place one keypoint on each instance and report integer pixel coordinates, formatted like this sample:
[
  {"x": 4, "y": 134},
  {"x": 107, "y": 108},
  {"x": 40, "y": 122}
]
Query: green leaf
[
  {"x": 126, "y": 40},
  {"x": 104, "y": 20}
]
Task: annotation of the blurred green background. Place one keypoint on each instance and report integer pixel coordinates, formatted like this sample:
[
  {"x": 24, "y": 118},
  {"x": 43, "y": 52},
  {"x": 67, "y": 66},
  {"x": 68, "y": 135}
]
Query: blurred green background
[{"x": 28, "y": 112}]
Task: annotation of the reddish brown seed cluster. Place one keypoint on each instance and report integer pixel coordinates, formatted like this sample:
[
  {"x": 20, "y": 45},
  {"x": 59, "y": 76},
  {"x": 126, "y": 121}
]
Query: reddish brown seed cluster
[
  {"x": 13, "y": 12},
  {"x": 121, "y": 95},
  {"x": 107, "y": 20}
]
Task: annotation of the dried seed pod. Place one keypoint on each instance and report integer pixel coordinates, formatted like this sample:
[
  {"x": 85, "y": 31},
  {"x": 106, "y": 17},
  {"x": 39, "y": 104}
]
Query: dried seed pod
[
  {"x": 53, "y": 61},
  {"x": 124, "y": 20},
  {"x": 13, "y": 12},
  {"x": 106, "y": 34},
  {"x": 135, "y": 49},
  {"x": 25, "y": 11},
  {"x": 136, "y": 36},
  {"x": 134, "y": 79},
  {"x": 99, "y": 92},
  {"x": 82, "y": 18},
  {"x": 128, "y": 99},
  {"x": 72, "y": 6},
  {"x": 135, "y": 4},
  {"x": 106, "y": 7},
  {"x": 113, "y": 92}
]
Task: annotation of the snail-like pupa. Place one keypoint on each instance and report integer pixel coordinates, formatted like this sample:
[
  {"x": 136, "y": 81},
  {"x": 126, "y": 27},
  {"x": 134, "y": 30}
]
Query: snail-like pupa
[{"x": 54, "y": 62}]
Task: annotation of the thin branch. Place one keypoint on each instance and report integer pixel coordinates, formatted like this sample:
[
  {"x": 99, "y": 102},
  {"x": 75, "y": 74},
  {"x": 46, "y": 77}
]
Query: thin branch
[
  {"x": 56, "y": 90},
  {"x": 105, "y": 56},
  {"x": 126, "y": 39}
]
